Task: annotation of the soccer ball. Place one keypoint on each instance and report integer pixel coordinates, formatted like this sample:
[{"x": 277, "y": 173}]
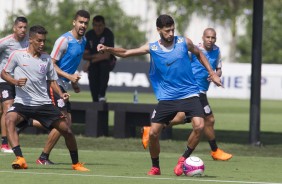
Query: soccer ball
[{"x": 193, "y": 166}]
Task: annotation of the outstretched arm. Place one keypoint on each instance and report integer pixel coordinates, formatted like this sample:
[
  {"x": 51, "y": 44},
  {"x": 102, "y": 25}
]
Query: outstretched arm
[
  {"x": 121, "y": 52},
  {"x": 202, "y": 58}
]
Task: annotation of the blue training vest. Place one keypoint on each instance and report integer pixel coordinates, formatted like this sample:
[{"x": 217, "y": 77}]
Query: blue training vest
[
  {"x": 200, "y": 72},
  {"x": 171, "y": 72},
  {"x": 73, "y": 55}
]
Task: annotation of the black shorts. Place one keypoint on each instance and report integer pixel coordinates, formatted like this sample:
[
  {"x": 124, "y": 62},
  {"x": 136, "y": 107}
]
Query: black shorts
[
  {"x": 46, "y": 114},
  {"x": 205, "y": 104},
  {"x": 7, "y": 92},
  {"x": 167, "y": 109},
  {"x": 58, "y": 101}
]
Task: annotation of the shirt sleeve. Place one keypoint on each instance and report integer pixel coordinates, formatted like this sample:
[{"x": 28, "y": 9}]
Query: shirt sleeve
[
  {"x": 11, "y": 63},
  {"x": 59, "y": 49},
  {"x": 51, "y": 74}
]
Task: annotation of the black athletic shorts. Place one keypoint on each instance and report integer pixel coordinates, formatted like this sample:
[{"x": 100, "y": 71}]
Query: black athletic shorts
[
  {"x": 167, "y": 109},
  {"x": 205, "y": 104},
  {"x": 7, "y": 92},
  {"x": 58, "y": 101},
  {"x": 46, "y": 114}
]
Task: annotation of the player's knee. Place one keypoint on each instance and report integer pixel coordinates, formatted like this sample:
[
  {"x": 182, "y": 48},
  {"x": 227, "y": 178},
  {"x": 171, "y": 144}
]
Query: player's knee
[
  {"x": 199, "y": 126},
  {"x": 153, "y": 135},
  {"x": 9, "y": 122},
  {"x": 209, "y": 120},
  {"x": 66, "y": 132}
]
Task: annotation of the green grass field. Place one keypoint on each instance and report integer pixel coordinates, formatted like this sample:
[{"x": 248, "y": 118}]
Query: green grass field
[{"x": 121, "y": 161}]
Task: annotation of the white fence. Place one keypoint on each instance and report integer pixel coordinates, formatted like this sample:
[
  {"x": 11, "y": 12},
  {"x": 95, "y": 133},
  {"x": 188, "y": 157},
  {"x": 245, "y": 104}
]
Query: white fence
[{"x": 237, "y": 81}]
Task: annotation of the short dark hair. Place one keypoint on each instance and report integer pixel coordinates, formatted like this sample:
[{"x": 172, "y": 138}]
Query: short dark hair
[
  {"x": 37, "y": 29},
  {"x": 20, "y": 19},
  {"x": 164, "y": 21},
  {"x": 99, "y": 18},
  {"x": 82, "y": 13}
]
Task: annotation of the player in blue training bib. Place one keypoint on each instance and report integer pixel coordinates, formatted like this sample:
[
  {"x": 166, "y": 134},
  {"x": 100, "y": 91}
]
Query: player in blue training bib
[{"x": 174, "y": 85}]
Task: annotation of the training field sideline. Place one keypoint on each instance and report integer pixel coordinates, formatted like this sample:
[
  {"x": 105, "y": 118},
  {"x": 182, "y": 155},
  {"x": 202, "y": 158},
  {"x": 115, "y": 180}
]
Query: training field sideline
[
  {"x": 129, "y": 163},
  {"x": 121, "y": 161}
]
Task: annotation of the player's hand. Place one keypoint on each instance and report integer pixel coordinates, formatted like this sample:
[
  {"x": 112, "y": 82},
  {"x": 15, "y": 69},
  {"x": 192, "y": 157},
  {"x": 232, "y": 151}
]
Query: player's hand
[
  {"x": 21, "y": 82},
  {"x": 215, "y": 79},
  {"x": 75, "y": 87},
  {"x": 101, "y": 48},
  {"x": 65, "y": 96},
  {"x": 75, "y": 77}
]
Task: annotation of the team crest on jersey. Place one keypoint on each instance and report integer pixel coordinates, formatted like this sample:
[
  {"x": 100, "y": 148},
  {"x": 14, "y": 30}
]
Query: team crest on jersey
[
  {"x": 180, "y": 40},
  {"x": 42, "y": 68},
  {"x": 5, "y": 94},
  {"x": 102, "y": 40},
  {"x": 154, "y": 47},
  {"x": 60, "y": 103}
]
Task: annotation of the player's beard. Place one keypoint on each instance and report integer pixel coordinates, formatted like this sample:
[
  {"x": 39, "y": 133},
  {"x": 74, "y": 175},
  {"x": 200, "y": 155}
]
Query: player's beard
[{"x": 167, "y": 41}]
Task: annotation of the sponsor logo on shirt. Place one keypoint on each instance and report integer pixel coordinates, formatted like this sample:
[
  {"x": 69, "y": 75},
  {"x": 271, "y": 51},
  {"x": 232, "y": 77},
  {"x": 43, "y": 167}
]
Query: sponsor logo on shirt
[
  {"x": 102, "y": 40},
  {"x": 26, "y": 56},
  {"x": 154, "y": 47},
  {"x": 180, "y": 40}
]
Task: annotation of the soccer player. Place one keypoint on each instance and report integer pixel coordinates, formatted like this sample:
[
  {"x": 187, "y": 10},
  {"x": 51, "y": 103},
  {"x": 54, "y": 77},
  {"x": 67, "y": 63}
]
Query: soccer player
[
  {"x": 33, "y": 69},
  {"x": 212, "y": 52},
  {"x": 8, "y": 44},
  {"x": 66, "y": 56},
  {"x": 174, "y": 85}
]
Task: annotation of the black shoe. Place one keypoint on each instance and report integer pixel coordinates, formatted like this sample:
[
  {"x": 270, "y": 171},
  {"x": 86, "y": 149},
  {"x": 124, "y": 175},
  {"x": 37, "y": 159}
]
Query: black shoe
[{"x": 44, "y": 162}]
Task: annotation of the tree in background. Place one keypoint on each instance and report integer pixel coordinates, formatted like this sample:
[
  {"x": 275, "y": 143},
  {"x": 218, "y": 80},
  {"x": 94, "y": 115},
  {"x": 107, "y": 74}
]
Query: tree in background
[
  {"x": 271, "y": 43},
  {"x": 57, "y": 19},
  {"x": 223, "y": 12}
]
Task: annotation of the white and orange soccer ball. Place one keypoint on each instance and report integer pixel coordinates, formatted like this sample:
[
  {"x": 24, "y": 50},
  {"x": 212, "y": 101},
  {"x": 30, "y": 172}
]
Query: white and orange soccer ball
[{"x": 193, "y": 166}]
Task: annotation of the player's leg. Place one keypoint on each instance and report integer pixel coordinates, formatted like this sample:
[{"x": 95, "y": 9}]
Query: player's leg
[
  {"x": 193, "y": 141},
  {"x": 104, "y": 79},
  {"x": 54, "y": 135},
  {"x": 216, "y": 153},
  {"x": 154, "y": 147},
  {"x": 51, "y": 117},
  {"x": 5, "y": 105},
  {"x": 12, "y": 118},
  {"x": 53, "y": 138},
  {"x": 178, "y": 119},
  {"x": 70, "y": 141},
  {"x": 164, "y": 112},
  {"x": 192, "y": 108},
  {"x": 93, "y": 77},
  {"x": 7, "y": 99}
]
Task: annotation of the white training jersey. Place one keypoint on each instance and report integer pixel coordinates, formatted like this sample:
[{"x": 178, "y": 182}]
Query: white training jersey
[
  {"x": 9, "y": 44},
  {"x": 37, "y": 71}
]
